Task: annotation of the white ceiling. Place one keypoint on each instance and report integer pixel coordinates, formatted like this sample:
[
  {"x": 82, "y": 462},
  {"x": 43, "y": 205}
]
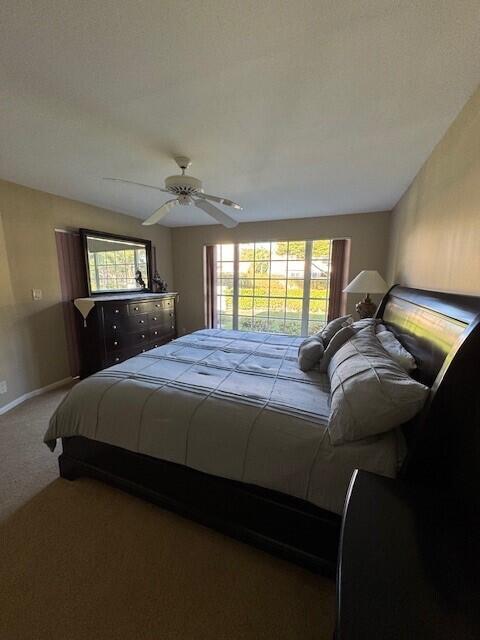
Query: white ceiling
[{"x": 292, "y": 108}]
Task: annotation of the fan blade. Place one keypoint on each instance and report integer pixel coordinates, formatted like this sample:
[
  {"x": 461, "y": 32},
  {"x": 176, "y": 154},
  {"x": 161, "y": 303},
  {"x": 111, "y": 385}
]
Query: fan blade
[
  {"x": 138, "y": 184},
  {"x": 161, "y": 212},
  {"x": 216, "y": 214},
  {"x": 225, "y": 201}
]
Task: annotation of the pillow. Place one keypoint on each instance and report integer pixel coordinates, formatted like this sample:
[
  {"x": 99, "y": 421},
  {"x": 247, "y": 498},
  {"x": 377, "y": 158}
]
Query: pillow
[
  {"x": 334, "y": 345},
  {"x": 370, "y": 393},
  {"x": 380, "y": 328},
  {"x": 330, "y": 329},
  {"x": 310, "y": 352},
  {"x": 364, "y": 322},
  {"x": 397, "y": 351}
]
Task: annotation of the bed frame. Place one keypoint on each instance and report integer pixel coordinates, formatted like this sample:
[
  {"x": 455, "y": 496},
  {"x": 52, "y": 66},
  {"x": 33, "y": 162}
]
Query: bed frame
[{"x": 441, "y": 330}]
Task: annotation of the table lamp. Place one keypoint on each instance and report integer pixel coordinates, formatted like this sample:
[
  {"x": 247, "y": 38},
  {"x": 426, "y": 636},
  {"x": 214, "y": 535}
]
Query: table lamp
[{"x": 366, "y": 282}]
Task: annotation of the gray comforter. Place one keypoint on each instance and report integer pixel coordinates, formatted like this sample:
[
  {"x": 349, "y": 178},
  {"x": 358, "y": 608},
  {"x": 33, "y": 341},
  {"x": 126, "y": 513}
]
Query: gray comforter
[{"x": 229, "y": 403}]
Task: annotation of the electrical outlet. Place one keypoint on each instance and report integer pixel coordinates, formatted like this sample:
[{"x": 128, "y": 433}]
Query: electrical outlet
[
  {"x": 37, "y": 294},
  {"x": 3, "y": 386}
]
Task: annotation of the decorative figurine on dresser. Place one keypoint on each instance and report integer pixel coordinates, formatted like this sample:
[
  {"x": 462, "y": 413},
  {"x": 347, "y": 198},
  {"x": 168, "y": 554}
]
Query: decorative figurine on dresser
[{"x": 122, "y": 317}]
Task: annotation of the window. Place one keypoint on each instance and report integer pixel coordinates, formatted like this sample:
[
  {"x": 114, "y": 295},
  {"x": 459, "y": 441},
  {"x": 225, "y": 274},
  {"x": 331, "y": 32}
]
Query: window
[{"x": 279, "y": 287}]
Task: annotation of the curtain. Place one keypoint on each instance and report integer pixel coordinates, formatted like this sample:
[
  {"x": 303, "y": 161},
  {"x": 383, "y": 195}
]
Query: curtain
[
  {"x": 210, "y": 288},
  {"x": 73, "y": 285},
  {"x": 337, "y": 300}
]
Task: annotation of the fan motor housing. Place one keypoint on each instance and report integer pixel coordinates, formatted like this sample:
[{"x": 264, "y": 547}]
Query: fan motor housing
[{"x": 183, "y": 185}]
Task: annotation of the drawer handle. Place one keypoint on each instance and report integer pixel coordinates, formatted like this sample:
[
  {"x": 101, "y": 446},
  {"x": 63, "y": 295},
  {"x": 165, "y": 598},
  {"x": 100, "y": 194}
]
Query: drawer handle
[
  {"x": 155, "y": 345},
  {"x": 158, "y": 306},
  {"x": 143, "y": 335},
  {"x": 154, "y": 317},
  {"x": 115, "y": 342},
  {"x": 117, "y": 359},
  {"x": 135, "y": 308},
  {"x": 141, "y": 321},
  {"x": 143, "y": 350},
  {"x": 114, "y": 326},
  {"x": 117, "y": 310},
  {"x": 171, "y": 314},
  {"x": 155, "y": 333},
  {"x": 172, "y": 326}
]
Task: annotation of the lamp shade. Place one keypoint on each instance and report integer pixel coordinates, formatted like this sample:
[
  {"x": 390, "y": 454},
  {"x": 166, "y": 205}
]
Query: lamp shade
[{"x": 367, "y": 282}]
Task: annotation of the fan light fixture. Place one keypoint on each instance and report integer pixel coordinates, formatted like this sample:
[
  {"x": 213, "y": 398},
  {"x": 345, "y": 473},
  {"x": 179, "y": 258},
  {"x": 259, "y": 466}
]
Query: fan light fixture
[{"x": 188, "y": 190}]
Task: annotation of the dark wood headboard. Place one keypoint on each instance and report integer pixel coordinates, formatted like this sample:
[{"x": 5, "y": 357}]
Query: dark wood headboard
[{"x": 442, "y": 331}]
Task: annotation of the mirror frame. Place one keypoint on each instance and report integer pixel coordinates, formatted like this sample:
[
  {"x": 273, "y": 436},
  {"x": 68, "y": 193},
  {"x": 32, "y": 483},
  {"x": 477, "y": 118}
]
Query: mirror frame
[{"x": 110, "y": 236}]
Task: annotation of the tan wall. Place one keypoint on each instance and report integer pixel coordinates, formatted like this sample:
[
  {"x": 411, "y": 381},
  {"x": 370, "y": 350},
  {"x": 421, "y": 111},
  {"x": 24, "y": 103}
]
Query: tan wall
[
  {"x": 32, "y": 339},
  {"x": 369, "y": 233},
  {"x": 435, "y": 242}
]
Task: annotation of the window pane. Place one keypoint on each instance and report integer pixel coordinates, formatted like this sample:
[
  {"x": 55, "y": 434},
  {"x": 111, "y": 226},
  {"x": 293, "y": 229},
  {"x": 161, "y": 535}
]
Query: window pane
[
  {"x": 276, "y": 308},
  {"x": 278, "y": 288},
  {"x": 260, "y": 324},
  {"x": 260, "y": 306},
  {"x": 262, "y": 251},
  {"x": 294, "y": 309},
  {"x": 293, "y": 327},
  {"x": 276, "y": 326},
  {"x": 320, "y": 269},
  {"x": 321, "y": 249},
  {"x": 295, "y": 268},
  {"x": 225, "y": 269},
  {"x": 296, "y": 250},
  {"x": 318, "y": 306},
  {"x": 262, "y": 287},
  {"x": 245, "y": 269},
  {"x": 245, "y": 323},
  {"x": 245, "y": 305},
  {"x": 318, "y": 288},
  {"x": 295, "y": 288},
  {"x": 279, "y": 250},
  {"x": 226, "y": 322},
  {"x": 278, "y": 269},
  {"x": 245, "y": 287},
  {"x": 225, "y": 304},
  {"x": 246, "y": 251},
  {"x": 262, "y": 269},
  {"x": 225, "y": 252}
]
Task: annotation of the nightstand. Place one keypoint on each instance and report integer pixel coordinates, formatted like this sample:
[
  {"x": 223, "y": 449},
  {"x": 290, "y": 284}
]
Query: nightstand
[{"x": 408, "y": 564}]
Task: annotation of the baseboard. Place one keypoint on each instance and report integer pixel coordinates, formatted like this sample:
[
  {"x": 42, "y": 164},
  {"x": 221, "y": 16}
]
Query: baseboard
[{"x": 35, "y": 392}]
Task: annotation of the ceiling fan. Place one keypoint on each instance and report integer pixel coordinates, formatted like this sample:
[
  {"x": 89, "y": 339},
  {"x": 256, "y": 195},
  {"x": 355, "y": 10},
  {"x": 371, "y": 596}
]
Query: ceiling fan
[{"x": 188, "y": 190}]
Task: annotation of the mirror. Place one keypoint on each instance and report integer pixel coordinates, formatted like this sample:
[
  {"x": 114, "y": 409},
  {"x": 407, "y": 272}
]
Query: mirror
[{"x": 116, "y": 263}]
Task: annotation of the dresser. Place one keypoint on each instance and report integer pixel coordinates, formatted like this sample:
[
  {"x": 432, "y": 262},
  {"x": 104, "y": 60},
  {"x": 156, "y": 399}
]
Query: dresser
[{"x": 113, "y": 328}]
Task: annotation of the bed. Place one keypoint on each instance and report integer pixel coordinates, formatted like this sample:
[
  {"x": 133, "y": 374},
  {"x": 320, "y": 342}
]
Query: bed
[{"x": 222, "y": 426}]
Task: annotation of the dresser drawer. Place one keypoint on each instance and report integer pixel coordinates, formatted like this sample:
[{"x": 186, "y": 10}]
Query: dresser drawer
[
  {"x": 127, "y": 340},
  {"x": 138, "y": 308},
  {"x": 162, "y": 317},
  {"x": 162, "y": 304}
]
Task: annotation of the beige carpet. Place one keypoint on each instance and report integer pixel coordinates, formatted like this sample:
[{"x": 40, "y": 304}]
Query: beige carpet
[{"x": 82, "y": 560}]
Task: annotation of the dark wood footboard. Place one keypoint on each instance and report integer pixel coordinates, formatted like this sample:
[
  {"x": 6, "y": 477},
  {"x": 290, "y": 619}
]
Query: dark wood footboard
[{"x": 283, "y": 525}]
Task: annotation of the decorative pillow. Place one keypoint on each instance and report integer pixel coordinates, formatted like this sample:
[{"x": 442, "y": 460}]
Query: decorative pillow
[
  {"x": 397, "y": 351},
  {"x": 330, "y": 329},
  {"x": 310, "y": 352},
  {"x": 334, "y": 345},
  {"x": 370, "y": 393}
]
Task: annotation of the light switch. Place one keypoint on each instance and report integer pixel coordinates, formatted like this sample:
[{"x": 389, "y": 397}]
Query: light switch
[{"x": 37, "y": 294}]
